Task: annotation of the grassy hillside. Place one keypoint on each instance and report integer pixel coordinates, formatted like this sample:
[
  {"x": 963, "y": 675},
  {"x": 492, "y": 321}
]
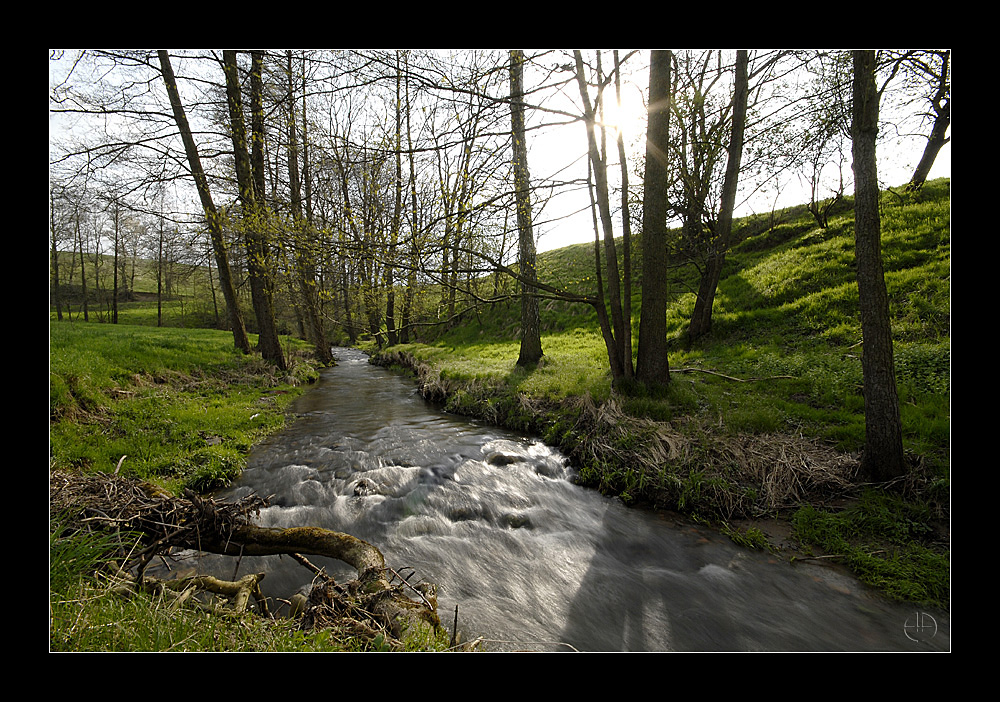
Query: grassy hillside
[
  {"x": 786, "y": 306},
  {"x": 763, "y": 418},
  {"x": 764, "y": 415}
]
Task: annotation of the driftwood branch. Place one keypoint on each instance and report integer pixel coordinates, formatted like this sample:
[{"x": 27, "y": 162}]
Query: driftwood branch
[{"x": 370, "y": 607}]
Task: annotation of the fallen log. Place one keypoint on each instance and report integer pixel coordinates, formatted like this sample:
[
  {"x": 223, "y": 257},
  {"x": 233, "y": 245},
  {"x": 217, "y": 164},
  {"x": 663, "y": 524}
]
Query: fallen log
[
  {"x": 372, "y": 605},
  {"x": 250, "y": 540}
]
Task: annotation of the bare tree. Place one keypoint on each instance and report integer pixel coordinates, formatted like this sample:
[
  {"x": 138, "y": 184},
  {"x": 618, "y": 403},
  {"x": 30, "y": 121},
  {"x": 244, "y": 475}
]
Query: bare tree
[
  {"x": 619, "y": 356},
  {"x": 933, "y": 68},
  {"x": 721, "y": 241}
]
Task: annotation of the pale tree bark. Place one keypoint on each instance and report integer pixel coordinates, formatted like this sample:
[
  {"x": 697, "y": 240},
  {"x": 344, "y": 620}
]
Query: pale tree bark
[
  {"x": 652, "y": 364},
  {"x": 883, "y": 456},
  {"x": 212, "y": 216},
  {"x": 531, "y": 341},
  {"x": 254, "y": 220},
  {"x": 626, "y": 228},
  {"x": 391, "y": 333}
]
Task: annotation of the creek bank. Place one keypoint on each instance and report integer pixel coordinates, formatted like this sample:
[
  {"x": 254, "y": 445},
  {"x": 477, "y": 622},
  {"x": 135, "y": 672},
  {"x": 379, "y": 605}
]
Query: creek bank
[
  {"x": 745, "y": 482},
  {"x": 757, "y": 490}
]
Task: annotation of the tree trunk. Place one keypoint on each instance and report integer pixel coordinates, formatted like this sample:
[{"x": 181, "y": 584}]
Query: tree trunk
[
  {"x": 116, "y": 218},
  {"x": 941, "y": 104},
  {"x": 531, "y": 340},
  {"x": 883, "y": 456},
  {"x": 305, "y": 254},
  {"x": 701, "y": 320},
  {"x": 411, "y": 278},
  {"x": 623, "y": 367},
  {"x": 652, "y": 365},
  {"x": 83, "y": 267},
  {"x": 212, "y": 218},
  {"x": 391, "y": 333},
  {"x": 626, "y": 230},
  {"x": 56, "y": 294},
  {"x": 253, "y": 215}
]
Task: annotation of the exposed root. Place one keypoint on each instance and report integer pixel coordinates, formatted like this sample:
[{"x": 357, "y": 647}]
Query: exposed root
[{"x": 377, "y": 602}]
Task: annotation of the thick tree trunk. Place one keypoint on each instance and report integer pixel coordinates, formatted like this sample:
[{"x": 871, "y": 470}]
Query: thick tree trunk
[
  {"x": 883, "y": 456},
  {"x": 652, "y": 365},
  {"x": 701, "y": 317},
  {"x": 212, "y": 218},
  {"x": 531, "y": 340}
]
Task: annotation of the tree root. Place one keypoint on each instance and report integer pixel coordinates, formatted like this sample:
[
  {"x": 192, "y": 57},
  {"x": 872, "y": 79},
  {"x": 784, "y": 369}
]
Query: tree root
[{"x": 374, "y": 608}]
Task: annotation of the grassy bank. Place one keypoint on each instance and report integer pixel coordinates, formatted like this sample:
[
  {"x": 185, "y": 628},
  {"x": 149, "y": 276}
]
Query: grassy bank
[
  {"x": 176, "y": 409},
  {"x": 760, "y": 428},
  {"x": 179, "y": 408},
  {"x": 763, "y": 419}
]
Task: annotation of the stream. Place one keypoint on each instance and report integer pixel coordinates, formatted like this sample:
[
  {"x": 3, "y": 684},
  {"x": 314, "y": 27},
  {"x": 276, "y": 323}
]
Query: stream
[{"x": 532, "y": 561}]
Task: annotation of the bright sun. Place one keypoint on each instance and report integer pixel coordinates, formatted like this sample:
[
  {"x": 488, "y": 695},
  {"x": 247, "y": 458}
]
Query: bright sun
[{"x": 629, "y": 116}]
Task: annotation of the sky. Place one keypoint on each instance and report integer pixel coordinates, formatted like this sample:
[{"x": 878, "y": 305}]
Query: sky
[
  {"x": 554, "y": 152},
  {"x": 561, "y": 149},
  {"x": 560, "y": 152}
]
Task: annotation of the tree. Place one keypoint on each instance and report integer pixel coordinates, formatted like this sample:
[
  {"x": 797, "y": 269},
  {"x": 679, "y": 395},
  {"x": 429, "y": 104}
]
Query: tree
[
  {"x": 531, "y": 340},
  {"x": 614, "y": 334},
  {"x": 883, "y": 455},
  {"x": 212, "y": 216},
  {"x": 721, "y": 241},
  {"x": 305, "y": 253},
  {"x": 935, "y": 70},
  {"x": 253, "y": 223},
  {"x": 652, "y": 364}
]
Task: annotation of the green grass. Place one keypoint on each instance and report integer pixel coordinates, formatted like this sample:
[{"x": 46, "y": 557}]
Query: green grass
[
  {"x": 185, "y": 408},
  {"x": 787, "y": 305},
  {"x": 885, "y": 540},
  {"x": 786, "y": 315},
  {"x": 182, "y": 406}
]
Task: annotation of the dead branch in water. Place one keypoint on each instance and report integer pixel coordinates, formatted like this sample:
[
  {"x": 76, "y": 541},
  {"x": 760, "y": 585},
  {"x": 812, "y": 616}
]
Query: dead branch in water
[{"x": 365, "y": 608}]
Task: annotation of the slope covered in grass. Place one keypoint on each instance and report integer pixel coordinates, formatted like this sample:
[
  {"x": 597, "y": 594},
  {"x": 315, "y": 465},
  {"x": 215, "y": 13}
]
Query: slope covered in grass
[
  {"x": 765, "y": 414},
  {"x": 787, "y": 305}
]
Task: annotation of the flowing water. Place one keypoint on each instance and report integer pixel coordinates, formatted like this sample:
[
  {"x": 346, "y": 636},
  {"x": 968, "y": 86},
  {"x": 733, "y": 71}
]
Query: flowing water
[{"x": 531, "y": 560}]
